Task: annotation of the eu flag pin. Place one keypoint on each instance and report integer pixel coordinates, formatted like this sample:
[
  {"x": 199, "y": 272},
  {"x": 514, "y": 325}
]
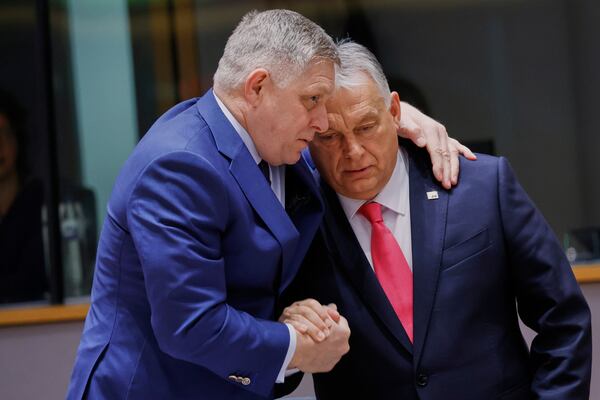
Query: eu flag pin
[{"x": 433, "y": 195}]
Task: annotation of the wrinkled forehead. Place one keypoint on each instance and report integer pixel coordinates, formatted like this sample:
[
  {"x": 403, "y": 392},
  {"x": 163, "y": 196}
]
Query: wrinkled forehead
[
  {"x": 317, "y": 72},
  {"x": 356, "y": 101}
]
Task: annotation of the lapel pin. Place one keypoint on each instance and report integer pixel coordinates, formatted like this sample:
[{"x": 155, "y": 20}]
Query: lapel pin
[{"x": 433, "y": 195}]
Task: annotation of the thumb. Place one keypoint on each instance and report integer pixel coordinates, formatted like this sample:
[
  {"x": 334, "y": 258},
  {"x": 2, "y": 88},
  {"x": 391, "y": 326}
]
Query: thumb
[{"x": 332, "y": 312}]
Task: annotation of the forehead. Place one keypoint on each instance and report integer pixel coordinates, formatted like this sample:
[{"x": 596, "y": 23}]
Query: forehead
[
  {"x": 318, "y": 76},
  {"x": 356, "y": 102}
]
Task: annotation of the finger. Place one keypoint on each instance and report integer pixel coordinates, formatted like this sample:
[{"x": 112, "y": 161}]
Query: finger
[
  {"x": 454, "y": 146},
  {"x": 315, "y": 306},
  {"x": 333, "y": 313},
  {"x": 446, "y": 168},
  {"x": 344, "y": 325},
  {"x": 454, "y": 165},
  {"x": 315, "y": 333},
  {"x": 435, "y": 152},
  {"x": 316, "y": 319},
  {"x": 307, "y": 307},
  {"x": 298, "y": 326},
  {"x": 308, "y": 315},
  {"x": 467, "y": 153},
  {"x": 435, "y": 148}
]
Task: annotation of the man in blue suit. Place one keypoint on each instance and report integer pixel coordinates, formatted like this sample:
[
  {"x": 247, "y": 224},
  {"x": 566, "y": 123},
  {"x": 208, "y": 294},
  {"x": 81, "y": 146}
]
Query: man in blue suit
[
  {"x": 206, "y": 226},
  {"x": 476, "y": 259}
]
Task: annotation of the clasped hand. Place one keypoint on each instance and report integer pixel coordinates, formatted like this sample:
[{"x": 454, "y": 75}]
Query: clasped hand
[{"x": 322, "y": 335}]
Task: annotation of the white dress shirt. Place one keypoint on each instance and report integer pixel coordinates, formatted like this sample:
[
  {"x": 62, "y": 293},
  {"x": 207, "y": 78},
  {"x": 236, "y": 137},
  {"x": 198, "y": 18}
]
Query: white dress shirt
[
  {"x": 395, "y": 201},
  {"x": 277, "y": 175}
]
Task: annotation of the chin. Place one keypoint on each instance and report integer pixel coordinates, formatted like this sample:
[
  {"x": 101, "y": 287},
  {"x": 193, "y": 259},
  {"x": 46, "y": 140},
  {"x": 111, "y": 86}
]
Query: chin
[
  {"x": 293, "y": 159},
  {"x": 361, "y": 193}
]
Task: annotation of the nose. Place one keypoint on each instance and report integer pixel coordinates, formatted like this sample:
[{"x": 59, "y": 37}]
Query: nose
[
  {"x": 352, "y": 147},
  {"x": 319, "y": 119}
]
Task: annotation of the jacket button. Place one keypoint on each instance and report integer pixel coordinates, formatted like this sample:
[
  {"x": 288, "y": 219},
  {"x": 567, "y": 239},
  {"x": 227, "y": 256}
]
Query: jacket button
[
  {"x": 422, "y": 380},
  {"x": 246, "y": 381}
]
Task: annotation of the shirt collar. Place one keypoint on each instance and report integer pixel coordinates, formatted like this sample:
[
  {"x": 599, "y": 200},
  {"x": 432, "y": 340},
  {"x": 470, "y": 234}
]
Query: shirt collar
[
  {"x": 241, "y": 131},
  {"x": 391, "y": 196}
]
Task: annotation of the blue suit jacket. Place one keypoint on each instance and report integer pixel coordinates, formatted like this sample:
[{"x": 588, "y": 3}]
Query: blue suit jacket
[
  {"x": 482, "y": 255},
  {"x": 193, "y": 255}
]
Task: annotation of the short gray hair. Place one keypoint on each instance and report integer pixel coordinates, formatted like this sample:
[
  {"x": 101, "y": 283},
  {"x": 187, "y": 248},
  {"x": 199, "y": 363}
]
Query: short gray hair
[
  {"x": 356, "y": 61},
  {"x": 281, "y": 41}
]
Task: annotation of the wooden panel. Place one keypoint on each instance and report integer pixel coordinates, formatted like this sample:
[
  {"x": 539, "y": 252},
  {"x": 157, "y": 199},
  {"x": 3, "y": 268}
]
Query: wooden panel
[
  {"x": 587, "y": 273},
  {"x": 43, "y": 315}
]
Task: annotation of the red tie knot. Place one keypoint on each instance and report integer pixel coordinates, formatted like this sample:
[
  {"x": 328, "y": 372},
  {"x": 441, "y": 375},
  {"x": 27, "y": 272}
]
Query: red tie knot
[{"x": 371, "y": 211}]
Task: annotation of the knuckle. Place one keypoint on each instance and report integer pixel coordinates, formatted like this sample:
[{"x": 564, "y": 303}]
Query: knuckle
[
  {"x": 312, "y": 303},
  {"x": 302, "y": 309}
]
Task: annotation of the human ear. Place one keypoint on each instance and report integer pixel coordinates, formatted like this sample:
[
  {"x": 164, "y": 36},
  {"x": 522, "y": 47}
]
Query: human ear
[
  {"x": 395, "y": 108},
  {"x": 254, "y": 85}
]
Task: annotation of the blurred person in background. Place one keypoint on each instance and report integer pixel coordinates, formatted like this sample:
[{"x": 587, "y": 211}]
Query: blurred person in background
[{"x": 22, "y": 270}]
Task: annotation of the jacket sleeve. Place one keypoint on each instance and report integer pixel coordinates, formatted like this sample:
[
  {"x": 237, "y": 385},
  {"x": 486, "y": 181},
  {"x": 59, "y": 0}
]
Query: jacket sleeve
[
  {"x": 177, "y": 214},
  {"x": 548, "y": 297}
]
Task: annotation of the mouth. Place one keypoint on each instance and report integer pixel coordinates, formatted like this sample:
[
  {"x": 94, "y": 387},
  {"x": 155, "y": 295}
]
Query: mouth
[
  {"x": 358, "y": 172},
  {"x": 304, "y": 142}
]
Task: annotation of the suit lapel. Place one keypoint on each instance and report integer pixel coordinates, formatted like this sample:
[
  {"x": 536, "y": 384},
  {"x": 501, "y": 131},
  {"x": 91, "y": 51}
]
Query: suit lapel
[
  {"x": 428, "y": 224},
  {"x": 248, "y": 176},
  {"x": 342, "y": 242},
  {"x": 304, "y": 207}
]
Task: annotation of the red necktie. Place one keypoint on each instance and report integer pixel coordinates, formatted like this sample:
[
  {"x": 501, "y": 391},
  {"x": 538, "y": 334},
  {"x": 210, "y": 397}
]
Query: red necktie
[{"x": 390, "y": 266}]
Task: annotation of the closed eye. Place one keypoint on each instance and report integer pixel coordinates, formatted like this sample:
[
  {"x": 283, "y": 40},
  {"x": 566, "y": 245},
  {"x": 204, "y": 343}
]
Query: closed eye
[
  {"x": 365, "y": 128},
  {"x": 326, "y": 136}
]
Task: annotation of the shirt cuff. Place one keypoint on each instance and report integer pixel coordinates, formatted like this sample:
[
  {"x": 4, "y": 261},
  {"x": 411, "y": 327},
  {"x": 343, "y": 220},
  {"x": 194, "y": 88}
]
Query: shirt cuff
[{"x": 283, "y": 372}]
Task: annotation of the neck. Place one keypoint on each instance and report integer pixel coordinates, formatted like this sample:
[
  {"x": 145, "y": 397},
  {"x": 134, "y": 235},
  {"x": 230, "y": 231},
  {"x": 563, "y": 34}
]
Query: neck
[
  {"x": 9, "y": 187},
  {"x": 235, "y": 105}
]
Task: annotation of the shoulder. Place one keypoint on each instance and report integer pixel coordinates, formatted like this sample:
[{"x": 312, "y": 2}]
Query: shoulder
[
  {"x": 178, "y": 148},
  {"x": 484, "y": 169}
]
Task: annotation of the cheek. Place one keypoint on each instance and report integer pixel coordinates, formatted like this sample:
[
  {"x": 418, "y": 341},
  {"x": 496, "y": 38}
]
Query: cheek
[{"x": 299, "y": 118}]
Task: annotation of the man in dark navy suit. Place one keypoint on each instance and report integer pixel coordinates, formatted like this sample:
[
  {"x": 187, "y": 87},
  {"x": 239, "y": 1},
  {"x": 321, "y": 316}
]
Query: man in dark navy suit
[{"x": 433, "y": 282}]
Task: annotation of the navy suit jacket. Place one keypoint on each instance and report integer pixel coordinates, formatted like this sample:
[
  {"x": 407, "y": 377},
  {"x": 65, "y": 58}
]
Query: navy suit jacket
[
  {"x": 482, "y": 256},
  {"x": 193, "y": 256}
]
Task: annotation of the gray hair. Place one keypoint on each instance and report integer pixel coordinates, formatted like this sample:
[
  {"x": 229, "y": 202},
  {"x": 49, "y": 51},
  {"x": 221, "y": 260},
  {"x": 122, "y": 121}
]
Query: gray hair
[
  {"x": 281, "y": 41},
  {"x": 356, "y": 61}
]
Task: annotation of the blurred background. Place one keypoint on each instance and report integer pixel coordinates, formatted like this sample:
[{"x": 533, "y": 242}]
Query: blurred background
[{"x": 81, "y": 81}]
